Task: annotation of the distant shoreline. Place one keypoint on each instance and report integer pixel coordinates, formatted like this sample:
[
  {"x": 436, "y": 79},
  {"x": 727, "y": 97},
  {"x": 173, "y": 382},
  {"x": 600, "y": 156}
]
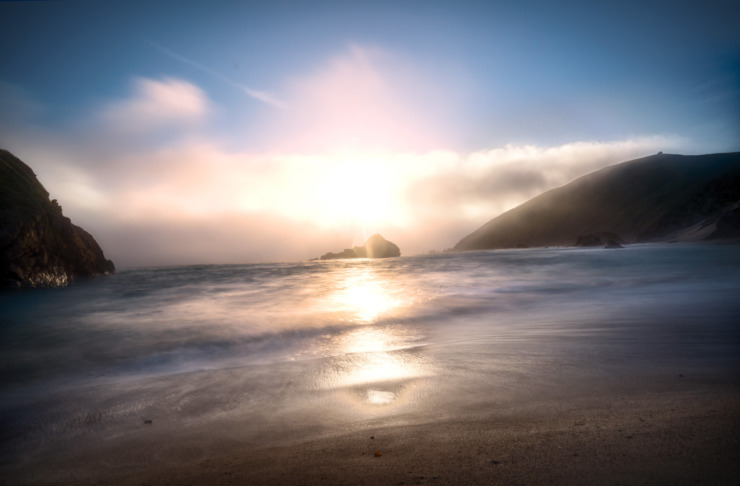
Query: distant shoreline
[{"x": 728, "y": 241}]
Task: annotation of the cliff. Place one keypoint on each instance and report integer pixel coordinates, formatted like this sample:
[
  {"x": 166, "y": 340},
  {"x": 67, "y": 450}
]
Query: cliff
[
  {"x": 662, "y": 197},
  {"x": 39, "y": 246}
]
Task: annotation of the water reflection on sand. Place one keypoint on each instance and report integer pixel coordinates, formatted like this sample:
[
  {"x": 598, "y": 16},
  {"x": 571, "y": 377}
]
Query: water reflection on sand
[{"x": 375, "y": 362}]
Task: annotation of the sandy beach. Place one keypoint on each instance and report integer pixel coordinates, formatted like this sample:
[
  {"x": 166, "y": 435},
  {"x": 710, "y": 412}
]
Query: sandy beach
[{"x": 670, "y": 429}]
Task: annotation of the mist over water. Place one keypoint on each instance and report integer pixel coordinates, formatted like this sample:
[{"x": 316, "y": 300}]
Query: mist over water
[{"x": 294, "y": 349}]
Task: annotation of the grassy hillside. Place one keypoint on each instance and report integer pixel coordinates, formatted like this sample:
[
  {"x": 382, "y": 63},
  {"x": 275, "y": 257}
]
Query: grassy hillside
[{"x": 652, "y": 198}]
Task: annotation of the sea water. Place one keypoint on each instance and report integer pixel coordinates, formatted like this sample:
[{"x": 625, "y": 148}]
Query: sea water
[{"x": 297, "y": 349}]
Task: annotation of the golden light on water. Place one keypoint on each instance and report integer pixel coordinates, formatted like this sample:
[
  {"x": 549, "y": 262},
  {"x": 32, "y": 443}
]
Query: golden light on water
[
  {"x": 374, "y": 354},
  {"x": 375, "y": 365},
  {"x": 372, "y": 340},
  {"x": 364, "y": 297},
  {"x": 379, "y": 397},
  {"x": 372, "y": 364}
]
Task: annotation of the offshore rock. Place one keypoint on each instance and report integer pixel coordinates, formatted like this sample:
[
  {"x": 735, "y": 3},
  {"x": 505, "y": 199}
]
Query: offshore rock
[
  {"x": 39, "y": 246},
  {"x": 375, "y": 247}
]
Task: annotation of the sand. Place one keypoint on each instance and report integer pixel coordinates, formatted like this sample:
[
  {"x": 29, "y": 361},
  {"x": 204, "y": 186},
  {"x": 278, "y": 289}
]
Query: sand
[{"x": 670, "y": 430}]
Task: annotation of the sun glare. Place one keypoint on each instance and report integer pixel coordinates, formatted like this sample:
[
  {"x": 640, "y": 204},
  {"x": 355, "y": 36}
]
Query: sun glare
[{"x": 358, "y": 191}]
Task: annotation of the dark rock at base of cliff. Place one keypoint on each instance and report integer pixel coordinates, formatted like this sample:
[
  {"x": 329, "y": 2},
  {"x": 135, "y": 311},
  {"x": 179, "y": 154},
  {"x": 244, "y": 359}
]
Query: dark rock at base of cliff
[
  {"x": 375, "y": 247},
  {"x": 39, "y": 246},
  {"x": 605, "y": 239}
]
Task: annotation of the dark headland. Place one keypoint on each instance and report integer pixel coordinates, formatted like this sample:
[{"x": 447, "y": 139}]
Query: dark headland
[
  {"x": 39, "y": 246},
  {"x": 660, "y": 198}
]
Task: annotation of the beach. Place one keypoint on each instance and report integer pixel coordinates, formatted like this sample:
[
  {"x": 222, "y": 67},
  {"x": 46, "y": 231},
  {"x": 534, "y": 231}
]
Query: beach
[
  {"x": 544, "y": 366},
  {"x": 680, "y": 430}
]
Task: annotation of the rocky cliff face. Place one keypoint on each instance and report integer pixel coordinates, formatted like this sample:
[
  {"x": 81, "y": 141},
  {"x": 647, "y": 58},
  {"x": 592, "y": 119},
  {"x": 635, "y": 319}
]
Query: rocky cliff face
[
  {"x": 39, "y": 246},
  {"x": 375, "y": 247}
]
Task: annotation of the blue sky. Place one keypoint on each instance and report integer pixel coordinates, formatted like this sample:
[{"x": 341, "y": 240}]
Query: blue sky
[{"x": 163, "y": 120}]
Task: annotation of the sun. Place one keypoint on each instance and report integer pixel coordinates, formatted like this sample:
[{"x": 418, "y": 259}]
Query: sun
[{"x": 359, "y": 189}]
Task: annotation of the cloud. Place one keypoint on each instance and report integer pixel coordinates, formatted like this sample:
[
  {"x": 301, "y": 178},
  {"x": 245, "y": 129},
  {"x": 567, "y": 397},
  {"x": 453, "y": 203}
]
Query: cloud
[
  {"x": 486, "y": 183},
  {"x": 156, "y": 104},
  {"x": 262, "y": 96}
]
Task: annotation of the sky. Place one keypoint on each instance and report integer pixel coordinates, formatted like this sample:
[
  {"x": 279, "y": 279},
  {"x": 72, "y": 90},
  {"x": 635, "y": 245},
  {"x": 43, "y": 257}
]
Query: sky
[{"x": 227, "y": 132}]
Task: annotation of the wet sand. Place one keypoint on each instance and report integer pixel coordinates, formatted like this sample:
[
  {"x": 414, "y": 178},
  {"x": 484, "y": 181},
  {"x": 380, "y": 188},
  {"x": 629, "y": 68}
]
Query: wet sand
[{"x": 668, "y": 430}]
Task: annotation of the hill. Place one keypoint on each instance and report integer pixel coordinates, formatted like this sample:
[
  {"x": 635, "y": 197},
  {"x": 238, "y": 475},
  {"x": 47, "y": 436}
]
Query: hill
[
  {"x": 39, "y": 246},
  {"x": 661, "y": 197}
]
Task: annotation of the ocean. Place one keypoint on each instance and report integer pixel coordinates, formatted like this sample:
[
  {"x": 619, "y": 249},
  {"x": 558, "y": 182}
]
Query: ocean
[{"x": 281, "y": 351}]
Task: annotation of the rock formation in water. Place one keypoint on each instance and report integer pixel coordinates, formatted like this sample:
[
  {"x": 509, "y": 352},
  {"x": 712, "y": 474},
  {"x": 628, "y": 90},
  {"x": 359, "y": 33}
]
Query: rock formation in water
[
  {"x": 662, "y": 197},
  {"x": 375, "y": 247},
  {"x": 39, "y": 246}
]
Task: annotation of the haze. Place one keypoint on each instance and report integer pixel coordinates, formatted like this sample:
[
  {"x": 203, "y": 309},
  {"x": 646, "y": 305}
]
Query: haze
[{"x": 184, "y": 133}]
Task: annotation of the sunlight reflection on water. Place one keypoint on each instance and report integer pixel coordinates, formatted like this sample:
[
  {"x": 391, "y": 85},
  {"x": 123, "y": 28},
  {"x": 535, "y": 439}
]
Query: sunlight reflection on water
[
  {"x": 379, "y": 397},
  {"x": 364, "y": 296},
  {"x": 374, "y": 363}
]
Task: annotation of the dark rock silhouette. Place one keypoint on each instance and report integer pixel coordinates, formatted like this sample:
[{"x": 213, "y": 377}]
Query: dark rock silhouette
[
  {"x": 347, "y": 253},
  {"x": 39, "y": 246},
  {"x": 375, "y": 247},
  {"x": 663, "y": 197}
]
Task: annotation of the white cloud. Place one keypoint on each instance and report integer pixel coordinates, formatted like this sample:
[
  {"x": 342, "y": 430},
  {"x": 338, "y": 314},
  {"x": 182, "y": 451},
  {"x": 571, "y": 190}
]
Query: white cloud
[
  {"x": 157, "y": 104},
  {"x": 486, "y": 183}
]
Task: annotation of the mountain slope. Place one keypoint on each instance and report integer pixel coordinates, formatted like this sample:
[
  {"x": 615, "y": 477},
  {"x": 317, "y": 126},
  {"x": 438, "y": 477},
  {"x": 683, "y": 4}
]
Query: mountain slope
[
  {"x": 39, "y": 247},
  {"x": 654, "y": 198}
]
